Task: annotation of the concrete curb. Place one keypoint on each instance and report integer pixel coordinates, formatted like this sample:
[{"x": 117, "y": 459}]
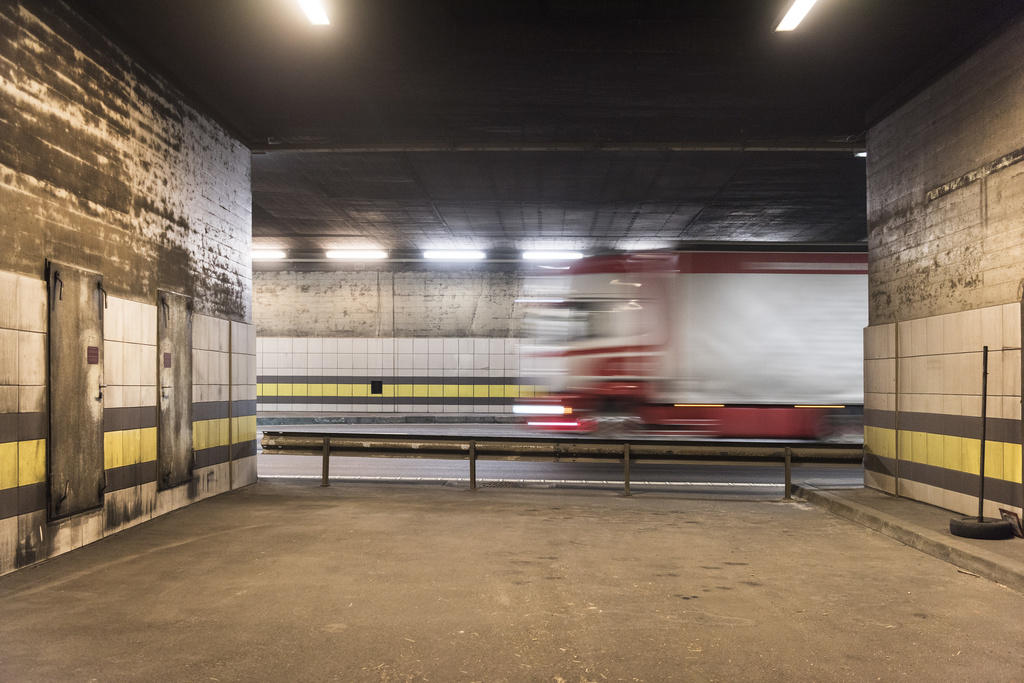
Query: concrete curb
[{"x": 936, "y": 544}]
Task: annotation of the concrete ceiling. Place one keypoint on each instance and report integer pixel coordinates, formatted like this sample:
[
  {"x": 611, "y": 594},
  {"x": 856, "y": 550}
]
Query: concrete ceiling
[
  {"x": 561, "y": 123},
  {"x": 536, "y": 200}
]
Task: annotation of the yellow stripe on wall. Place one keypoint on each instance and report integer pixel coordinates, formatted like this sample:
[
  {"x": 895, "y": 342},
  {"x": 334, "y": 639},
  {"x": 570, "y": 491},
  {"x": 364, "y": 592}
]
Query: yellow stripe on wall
[
  {"x": 8, "y": 465},
  {"x": 961, "y": 454},
  {"x": 22, "y": 463},
  {"x": 424, "y": 390},
  {"x": 211, "y": 433}
]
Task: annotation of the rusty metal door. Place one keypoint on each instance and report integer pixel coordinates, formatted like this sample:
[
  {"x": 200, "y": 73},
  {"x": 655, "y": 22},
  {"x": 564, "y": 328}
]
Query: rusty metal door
[
  {"x": 75, "y": 446},
  {"x": 174, "y": 367}
]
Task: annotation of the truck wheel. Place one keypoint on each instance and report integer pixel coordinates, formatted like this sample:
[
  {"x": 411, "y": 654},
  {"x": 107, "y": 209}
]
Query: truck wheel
[{"x": 988, "y": 528}]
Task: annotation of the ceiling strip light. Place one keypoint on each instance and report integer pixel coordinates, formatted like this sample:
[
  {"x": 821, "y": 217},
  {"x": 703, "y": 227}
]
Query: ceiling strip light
[
  {"x": 357, "y": 254},
  {"x": 797, "y": 11},
  {"x": 454, "y": 255},
  {"x": 551, "y": 255},
  {"x": 267, "y": 254},
  {"x": 315, "y": 12}
]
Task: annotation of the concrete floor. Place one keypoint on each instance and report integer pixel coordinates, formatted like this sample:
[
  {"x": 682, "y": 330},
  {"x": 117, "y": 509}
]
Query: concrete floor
[{"x": 288, "y": 581}]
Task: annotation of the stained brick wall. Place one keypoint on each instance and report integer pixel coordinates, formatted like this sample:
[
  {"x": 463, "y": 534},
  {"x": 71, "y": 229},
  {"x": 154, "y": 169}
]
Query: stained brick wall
[
  {"x": 103, "y": 165},
  {"x": 946, "y": 267},
  {"x": 945, "y": 196}
]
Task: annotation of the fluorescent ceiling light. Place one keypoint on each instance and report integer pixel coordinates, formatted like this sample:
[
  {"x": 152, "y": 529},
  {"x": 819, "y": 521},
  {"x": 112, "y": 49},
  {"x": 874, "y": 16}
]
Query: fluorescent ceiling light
[
  {"x": 551, "y": 255},
  {"x": 861, "y": 155},
  {"x": 797, "y": 11},
  {"x": 267, "y": 254},
  {"x": 315, "y": 12},
  {"x": 455, "y": 255},
  {"x": 357, "y": 254}
]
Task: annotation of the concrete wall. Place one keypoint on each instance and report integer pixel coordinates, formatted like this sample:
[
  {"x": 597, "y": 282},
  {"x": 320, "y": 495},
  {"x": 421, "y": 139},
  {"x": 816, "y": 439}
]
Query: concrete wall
[
  {"x": 425, "y": 302},
  {"x": 946, "y": 251},
  {"x": 104, "y": 167}
]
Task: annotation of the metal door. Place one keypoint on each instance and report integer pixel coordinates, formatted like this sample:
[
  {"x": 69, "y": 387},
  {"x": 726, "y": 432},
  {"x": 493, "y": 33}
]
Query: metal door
[
  {"x": 174, "y": 367},
  {"x": 75, "y": 446}
]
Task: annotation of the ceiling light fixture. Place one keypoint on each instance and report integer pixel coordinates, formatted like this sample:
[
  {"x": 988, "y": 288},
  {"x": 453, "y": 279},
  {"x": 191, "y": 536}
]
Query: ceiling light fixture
[
  {"x": 267, "y": 254},
  {"x": 315, "y": 12},
  {"x": 861, "y": 155},
  {"x": 797, "y": 11},
  {"x": 454, "y": 255},
  {"x": 357, "y": 254},
  {"x": 551, "y": 255}
]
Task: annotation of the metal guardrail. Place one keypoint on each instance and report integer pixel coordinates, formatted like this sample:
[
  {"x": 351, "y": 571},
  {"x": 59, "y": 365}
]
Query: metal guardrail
[{"x": 551, "y": 449}]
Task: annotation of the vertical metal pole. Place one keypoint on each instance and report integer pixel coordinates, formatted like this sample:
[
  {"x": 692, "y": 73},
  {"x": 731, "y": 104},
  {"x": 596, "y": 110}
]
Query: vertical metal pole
[
  {"x": 789, "y": 473},
  {"x": 896, "y": 382},
  {"x": 324, "y": 480},
  {"x": 472, "y": 465},
  {"x": 625, "y": 468},
  {"x": 984, "y": 406}
]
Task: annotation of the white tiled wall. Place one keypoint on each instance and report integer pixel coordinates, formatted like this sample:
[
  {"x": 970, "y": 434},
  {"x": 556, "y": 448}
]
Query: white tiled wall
[
  {"x": 211, "y": 360},
  {"x": 428, "y": 361},
  {"x": 129, "y": 354}
]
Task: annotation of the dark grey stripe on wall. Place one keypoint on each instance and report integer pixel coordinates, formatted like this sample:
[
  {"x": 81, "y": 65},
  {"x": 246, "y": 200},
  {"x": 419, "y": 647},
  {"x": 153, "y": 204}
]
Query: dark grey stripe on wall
[
  {"x": 128, "y": 476},
  {"x": 9, "y": 427},
  {"x": 117, "y": 419},
  {"x": 243, "y": 408},
  {"x": 411, "y": 400},
  {"x": 22, "y": 500},
  {"x": 996, "y": 490},
  {"x": 404, "y": 379},
  {"x": 209, "y": 410},
  {"x": 212, "y": 456},
  {"x": 998, "y": 428},
  {"x": 243, "y": 449},
  {"x": 22, "y": 426},
  {"x": 8, "y": 503}
]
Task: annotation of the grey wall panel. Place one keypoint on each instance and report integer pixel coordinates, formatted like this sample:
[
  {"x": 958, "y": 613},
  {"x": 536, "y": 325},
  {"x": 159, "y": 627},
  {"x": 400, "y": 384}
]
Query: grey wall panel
[
  {"x": 174, "y": 367},
  {"x": 75, "y": 454}
]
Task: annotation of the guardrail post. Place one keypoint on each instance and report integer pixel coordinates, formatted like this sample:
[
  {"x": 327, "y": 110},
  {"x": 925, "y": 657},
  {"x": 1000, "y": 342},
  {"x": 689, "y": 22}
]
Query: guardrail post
[
  {"x": 472, "y": 465},
  {"x": 324, "y": 480},
  {"x": 789, "y": 473},
  {"x": 625, "y": 468}
]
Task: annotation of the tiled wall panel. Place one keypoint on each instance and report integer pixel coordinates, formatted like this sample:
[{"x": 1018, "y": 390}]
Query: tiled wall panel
[
  {"x": 23, "y": 418},
  {"x": 422, "y": 375},
  {"x": 922, "y": 408},
  {"x": 224, "y": 393}
]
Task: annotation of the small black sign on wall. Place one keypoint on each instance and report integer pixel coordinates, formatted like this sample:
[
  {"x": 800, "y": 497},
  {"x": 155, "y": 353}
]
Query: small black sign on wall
[
  {"x": 92, "y": 355},
  {"x": 377, "y": 386},
  {"x": 167, "y": 360}
]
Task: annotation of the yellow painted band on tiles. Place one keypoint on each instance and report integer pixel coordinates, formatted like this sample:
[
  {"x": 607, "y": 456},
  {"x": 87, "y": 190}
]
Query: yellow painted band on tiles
[
  {"x": 211, "y": 433},
  {"x": 128, "y": 447},
  {"x": 8, "y": 465},
  {"x": 424, "y": 390},
  {"x": 243, "y": 429},
  {"x": 961, "y": 454},
  {"x": 22, "y": 463}
]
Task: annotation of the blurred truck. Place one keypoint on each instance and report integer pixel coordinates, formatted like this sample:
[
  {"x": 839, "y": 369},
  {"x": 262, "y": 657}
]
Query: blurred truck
[{"x": 733, "y": 343}]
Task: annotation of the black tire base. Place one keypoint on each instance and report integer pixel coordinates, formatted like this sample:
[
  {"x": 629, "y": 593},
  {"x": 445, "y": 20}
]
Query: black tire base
[{"x": 988, "y": 528}]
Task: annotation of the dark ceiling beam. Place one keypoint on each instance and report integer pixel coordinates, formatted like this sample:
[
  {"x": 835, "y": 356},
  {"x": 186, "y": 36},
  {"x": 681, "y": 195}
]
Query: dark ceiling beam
[{"x": 845, "y": 147}]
